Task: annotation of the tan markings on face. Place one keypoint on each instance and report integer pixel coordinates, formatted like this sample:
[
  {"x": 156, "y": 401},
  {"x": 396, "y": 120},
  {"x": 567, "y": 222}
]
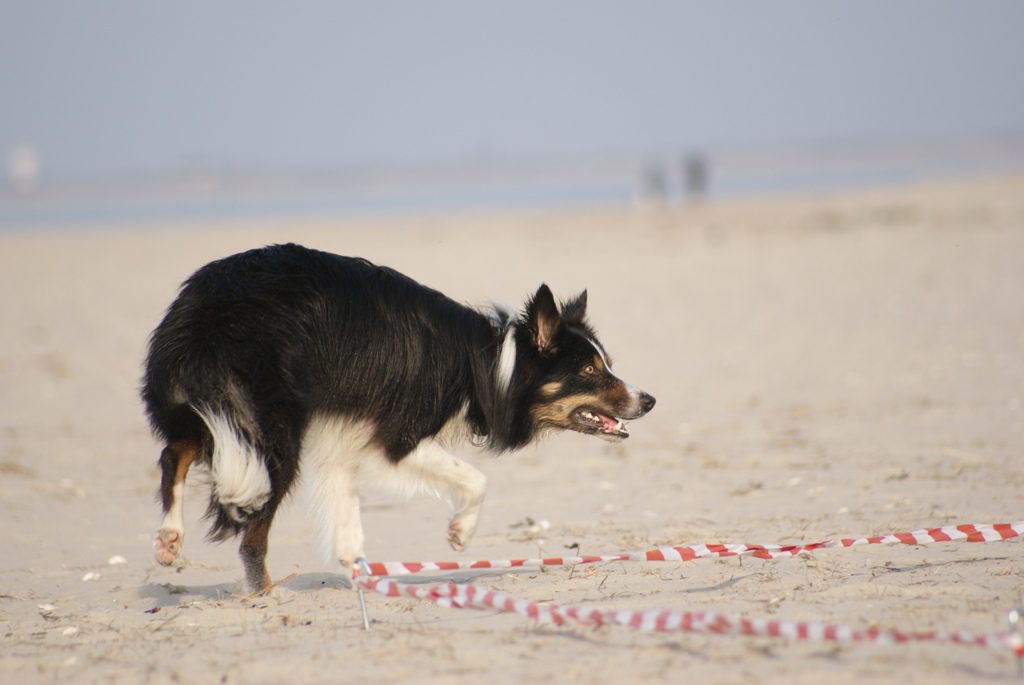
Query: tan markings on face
[
  {"x": 551, "y": 389},
  {"x": 617, "y": 394},
  {"x": 598, "y": 362},
  {"x": 558, "y": 412}
]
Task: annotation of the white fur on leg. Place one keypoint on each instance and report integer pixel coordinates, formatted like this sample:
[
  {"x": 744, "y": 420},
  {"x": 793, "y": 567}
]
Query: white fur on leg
[
  {"x": 338, "y": 455},
  {"x": 334, "y": 451},
  {"x": 174, "y": 519},
  {"x": 167, "y": 542},
  {"x": 434, "y": 468}
]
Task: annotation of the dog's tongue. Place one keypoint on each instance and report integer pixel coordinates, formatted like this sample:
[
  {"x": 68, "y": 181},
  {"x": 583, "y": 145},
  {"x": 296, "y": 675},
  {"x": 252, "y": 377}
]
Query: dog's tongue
[{"x": 612, "y": 425}]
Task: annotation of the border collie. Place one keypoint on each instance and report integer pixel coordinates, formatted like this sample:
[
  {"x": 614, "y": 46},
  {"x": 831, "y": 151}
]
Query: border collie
[{"x": 286, "y": 358}]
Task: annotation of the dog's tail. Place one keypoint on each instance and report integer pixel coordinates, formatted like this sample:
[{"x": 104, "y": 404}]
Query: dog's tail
[{"x": 240, "y": 486}]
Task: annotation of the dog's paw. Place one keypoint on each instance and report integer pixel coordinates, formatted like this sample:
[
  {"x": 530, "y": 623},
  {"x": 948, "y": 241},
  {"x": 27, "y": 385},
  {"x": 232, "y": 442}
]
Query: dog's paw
[
  {"x": 348, "y": 563},
  {"x": 455, "y": 540},
  {"x": 460, "y": 530},
  {"x": 166, "y": 545}
]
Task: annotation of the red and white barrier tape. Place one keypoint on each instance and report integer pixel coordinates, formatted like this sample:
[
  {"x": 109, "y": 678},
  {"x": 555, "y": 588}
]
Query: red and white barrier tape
[
  {"x": 667, "y": 620},
  {"x": 966, "y": 532}
]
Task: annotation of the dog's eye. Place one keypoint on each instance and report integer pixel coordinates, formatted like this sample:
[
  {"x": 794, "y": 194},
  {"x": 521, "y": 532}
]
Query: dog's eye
[{"x": 589, "y": 369}]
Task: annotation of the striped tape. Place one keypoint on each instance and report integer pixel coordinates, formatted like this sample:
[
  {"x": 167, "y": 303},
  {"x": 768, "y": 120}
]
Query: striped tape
[
  {"x": 965, "y": 532},
  {"x": 465, "y": 596},
  {"x": 666, "y": 620}
]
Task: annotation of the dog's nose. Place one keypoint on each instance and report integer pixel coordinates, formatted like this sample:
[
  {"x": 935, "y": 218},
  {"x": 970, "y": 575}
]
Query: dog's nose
[{"x": 646, "y": 402}]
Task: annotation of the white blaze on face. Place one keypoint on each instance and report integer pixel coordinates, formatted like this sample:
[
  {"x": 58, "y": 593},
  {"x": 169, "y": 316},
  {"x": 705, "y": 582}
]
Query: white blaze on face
[{"x": 600, "y": 352}]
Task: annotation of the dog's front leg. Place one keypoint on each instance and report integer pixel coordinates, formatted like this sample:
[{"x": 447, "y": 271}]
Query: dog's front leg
[
  {"x": 466, "y": 512},
  {"x": 454, "y": 480},
  {"x": 348, "y": 528},
  {"x": 335, "y": 505}
]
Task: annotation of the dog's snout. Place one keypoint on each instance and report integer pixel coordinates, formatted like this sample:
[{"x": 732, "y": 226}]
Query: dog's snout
[{"x": 646, "y": 402}]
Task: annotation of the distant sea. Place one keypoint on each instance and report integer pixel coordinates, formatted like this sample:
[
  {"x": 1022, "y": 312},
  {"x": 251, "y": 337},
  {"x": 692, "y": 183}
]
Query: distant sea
[{"x": 672, "y": 177}]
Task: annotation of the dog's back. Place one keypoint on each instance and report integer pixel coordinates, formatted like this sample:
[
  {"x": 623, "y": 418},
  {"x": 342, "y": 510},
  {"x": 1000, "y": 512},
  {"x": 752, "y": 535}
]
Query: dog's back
[{"x": 282, "y": 332}]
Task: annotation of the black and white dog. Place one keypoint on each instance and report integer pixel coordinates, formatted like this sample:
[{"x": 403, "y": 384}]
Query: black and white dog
[{"x": 286, "y": 358}]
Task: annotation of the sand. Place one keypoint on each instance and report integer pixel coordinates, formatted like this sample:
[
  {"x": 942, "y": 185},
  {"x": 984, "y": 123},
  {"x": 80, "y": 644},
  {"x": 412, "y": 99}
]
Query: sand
[{"x": 826, "y": 366}]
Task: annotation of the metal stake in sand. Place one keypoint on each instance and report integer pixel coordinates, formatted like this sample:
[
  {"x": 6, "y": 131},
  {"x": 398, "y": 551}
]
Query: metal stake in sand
[
  {"x": 1017, "y": 638},
  {"x": 364, "y": 570}
]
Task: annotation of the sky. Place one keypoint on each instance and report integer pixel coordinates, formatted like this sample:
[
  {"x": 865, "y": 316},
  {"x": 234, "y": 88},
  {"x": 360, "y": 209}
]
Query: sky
[{"x": 119, "y": 88}]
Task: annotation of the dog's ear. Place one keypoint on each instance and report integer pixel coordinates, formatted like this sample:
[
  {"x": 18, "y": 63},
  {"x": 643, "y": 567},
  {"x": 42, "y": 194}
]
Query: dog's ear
[
  {"x": 543, "y": 319},
  {"x": 575, "y": 310}
]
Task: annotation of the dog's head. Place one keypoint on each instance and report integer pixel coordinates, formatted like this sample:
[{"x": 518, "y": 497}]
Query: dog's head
[{"x": 569, "y": 375}]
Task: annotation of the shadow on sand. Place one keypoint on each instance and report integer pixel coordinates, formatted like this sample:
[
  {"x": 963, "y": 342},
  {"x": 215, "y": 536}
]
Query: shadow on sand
[{"x": 171, "y": 594}]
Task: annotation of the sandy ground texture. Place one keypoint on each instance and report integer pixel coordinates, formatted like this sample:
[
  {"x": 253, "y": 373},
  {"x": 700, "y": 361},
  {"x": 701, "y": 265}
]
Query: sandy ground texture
[{"x": 827, "y": 366}]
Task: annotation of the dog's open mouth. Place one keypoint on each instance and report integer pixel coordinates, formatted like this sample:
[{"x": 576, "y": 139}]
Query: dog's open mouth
[{"x": 592, "y": 421}]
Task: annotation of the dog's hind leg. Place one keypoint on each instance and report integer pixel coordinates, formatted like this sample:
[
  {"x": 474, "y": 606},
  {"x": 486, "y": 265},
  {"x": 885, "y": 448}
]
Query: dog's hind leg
[
  {"x": 280, "y": 468},
  {"x": 454, "y": 480},
  {"x": 253, "y": 551},
  {"x": 175, "y": 461}
]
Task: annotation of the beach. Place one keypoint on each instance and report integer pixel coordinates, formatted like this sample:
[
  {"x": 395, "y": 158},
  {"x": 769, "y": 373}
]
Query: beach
[{"x": 833, "y": 365}]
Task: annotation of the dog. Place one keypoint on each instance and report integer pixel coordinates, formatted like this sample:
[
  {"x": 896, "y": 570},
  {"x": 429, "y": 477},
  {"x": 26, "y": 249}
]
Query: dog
[{"x": 286, "y": 358}]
